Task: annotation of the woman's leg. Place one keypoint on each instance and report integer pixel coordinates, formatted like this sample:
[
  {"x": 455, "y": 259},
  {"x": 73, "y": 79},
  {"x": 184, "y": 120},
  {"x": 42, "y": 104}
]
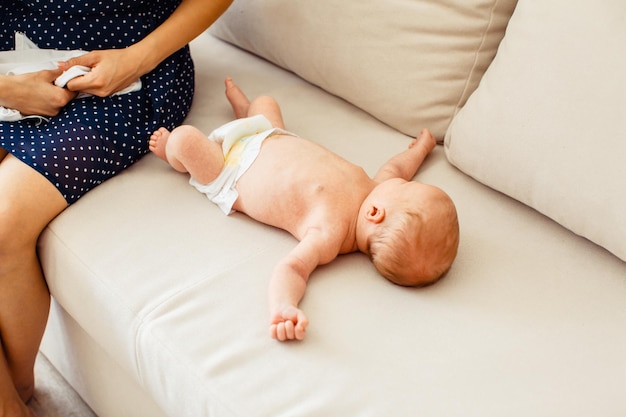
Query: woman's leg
[{"x": 28, "y": 202}]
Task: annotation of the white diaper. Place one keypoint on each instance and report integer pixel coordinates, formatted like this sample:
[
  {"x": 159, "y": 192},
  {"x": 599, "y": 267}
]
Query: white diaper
[{"x": 241, "y": 142}]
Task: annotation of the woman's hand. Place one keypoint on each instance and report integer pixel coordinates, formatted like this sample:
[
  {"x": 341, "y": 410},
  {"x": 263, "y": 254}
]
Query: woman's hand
[
  {"x": 112, "y": 70},
  {"x": 34, "y": 93}
]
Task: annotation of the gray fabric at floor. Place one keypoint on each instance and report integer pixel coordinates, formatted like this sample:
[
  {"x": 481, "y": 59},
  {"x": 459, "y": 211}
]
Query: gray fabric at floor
[{"x": 54, "y": 397}]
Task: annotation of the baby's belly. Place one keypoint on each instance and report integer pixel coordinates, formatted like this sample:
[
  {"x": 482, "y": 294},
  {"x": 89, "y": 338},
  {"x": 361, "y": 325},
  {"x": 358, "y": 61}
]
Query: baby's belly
[
  {"x": 270, "y": 203},
  {"x": 292, "y": 178}
]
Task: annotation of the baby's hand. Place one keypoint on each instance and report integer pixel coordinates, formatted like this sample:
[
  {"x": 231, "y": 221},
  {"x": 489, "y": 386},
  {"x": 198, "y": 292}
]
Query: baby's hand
[{"x": 289, "y": 324}]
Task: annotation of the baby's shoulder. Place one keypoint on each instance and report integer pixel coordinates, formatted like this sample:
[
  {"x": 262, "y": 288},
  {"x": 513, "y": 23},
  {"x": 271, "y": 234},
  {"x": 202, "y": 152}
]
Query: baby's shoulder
[{"x": 331, "y": 223}]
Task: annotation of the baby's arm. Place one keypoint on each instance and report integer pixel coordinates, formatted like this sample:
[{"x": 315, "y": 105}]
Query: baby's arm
[
  {"x": 405, "y": 164},
  {"x": 288, "y": 285}
]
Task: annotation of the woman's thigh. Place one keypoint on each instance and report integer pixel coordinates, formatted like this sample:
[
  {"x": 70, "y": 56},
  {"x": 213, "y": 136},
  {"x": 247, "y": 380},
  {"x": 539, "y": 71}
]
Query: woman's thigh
[{"x": 28, "y": 202}]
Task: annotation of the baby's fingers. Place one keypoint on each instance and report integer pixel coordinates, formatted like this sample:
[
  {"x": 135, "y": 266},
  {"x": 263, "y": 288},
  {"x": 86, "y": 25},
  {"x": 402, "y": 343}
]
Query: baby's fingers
[
  {"x": 289, "y": 324},
  {"x": 300, "y": 331},
  {"x": 283, "y": 331},
  {"x": 289, "y": 331}
]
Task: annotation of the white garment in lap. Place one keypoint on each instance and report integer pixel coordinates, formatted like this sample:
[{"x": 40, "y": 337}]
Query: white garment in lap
[
  {"x": 241, "y": 141},
  {"x": 26, "y": 58}
]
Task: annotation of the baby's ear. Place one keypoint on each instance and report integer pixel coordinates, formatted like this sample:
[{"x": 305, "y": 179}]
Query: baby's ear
[{"x": 375, "y": 214}]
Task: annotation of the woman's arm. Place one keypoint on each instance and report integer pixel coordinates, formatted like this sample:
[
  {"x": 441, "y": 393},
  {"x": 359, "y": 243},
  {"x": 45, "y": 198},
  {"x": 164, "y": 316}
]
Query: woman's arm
[
  {"x": 115, "y": 69},
  {"x": 189, "y": 20}
]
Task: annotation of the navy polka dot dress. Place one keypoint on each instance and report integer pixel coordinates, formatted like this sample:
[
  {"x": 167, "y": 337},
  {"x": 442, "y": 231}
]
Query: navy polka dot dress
[{"x": 94, "y": 138}]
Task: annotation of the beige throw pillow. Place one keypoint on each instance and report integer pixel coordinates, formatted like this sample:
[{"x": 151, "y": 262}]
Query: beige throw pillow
[
  {"x": 547, "y": 125},
  {"x": 409, "y": 63}
]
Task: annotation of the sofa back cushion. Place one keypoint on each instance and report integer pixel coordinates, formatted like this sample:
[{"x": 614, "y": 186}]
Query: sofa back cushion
[
  {"x": 409, "y": 63},
  {"x": 547, "y": 125}
]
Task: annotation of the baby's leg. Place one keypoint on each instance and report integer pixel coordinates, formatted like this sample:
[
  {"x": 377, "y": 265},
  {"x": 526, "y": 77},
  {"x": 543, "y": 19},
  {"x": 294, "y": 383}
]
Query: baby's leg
[
  {"x": 237, "y": 99},
  {"x": 268, "y": 107},
  {"x": 187, "y": 149},
  {"x": 242, "y": 107}
]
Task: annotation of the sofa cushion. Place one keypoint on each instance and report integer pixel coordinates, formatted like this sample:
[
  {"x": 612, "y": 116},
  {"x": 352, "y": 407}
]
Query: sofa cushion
[
  {"x": 168, "y": 295},
  {"x": 546, "y": 126},
  {"x": 411, "y": 64}
]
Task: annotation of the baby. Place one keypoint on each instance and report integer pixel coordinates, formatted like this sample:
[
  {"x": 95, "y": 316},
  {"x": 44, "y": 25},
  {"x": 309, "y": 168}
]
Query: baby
[{"x": 409, "y": 229}]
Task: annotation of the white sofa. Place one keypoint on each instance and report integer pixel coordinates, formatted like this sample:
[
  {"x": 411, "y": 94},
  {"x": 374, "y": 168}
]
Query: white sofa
[{"x": 160, "y": 302}]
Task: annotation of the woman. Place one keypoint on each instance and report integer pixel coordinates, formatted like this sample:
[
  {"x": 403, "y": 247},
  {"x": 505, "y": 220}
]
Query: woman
[{"x": 95, "y": 137}]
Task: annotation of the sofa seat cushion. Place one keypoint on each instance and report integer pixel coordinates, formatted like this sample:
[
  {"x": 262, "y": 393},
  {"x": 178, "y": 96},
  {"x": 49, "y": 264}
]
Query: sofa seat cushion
[
  {"x": 411, "y": 64},
  {"x": 546, "y": 125}
]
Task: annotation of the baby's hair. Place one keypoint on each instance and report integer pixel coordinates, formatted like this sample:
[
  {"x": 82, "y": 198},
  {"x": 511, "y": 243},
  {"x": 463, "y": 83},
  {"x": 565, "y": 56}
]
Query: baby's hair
[{"x": 389, "y": 246}]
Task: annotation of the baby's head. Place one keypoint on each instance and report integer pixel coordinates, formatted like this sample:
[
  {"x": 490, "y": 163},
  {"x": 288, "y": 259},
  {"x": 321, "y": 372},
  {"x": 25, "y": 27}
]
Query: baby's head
[{"x": 414, "y": 232}]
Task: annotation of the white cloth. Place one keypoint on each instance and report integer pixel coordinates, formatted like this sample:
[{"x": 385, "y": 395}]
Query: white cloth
[
  {"x": 27, "y": 57},
  {"x": 241, "y": 141}
]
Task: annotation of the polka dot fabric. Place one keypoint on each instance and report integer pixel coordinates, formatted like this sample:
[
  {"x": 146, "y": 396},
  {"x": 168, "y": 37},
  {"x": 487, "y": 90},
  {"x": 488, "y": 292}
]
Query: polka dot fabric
[{"x": 94, "y": 138}]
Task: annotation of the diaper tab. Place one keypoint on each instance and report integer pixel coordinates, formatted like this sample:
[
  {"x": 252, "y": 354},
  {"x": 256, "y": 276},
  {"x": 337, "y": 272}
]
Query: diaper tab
[{"x": 234, "y": 130}]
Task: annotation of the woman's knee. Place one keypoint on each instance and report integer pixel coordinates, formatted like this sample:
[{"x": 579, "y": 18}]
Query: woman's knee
[
  {"x": 9, "y": 225},
  {"x": 12, "y": 241},
  {"x": 29, "y": 202},
  {"x": 26, "y": 389},
  {"x": 19, "y": 232}
]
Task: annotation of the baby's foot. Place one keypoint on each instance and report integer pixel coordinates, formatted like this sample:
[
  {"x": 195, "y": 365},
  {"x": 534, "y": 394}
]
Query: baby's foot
[
  {"x": 425, "y": 140},
  {"x": 158, "y": 140},
  {"x": 237, "y": 99}
]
